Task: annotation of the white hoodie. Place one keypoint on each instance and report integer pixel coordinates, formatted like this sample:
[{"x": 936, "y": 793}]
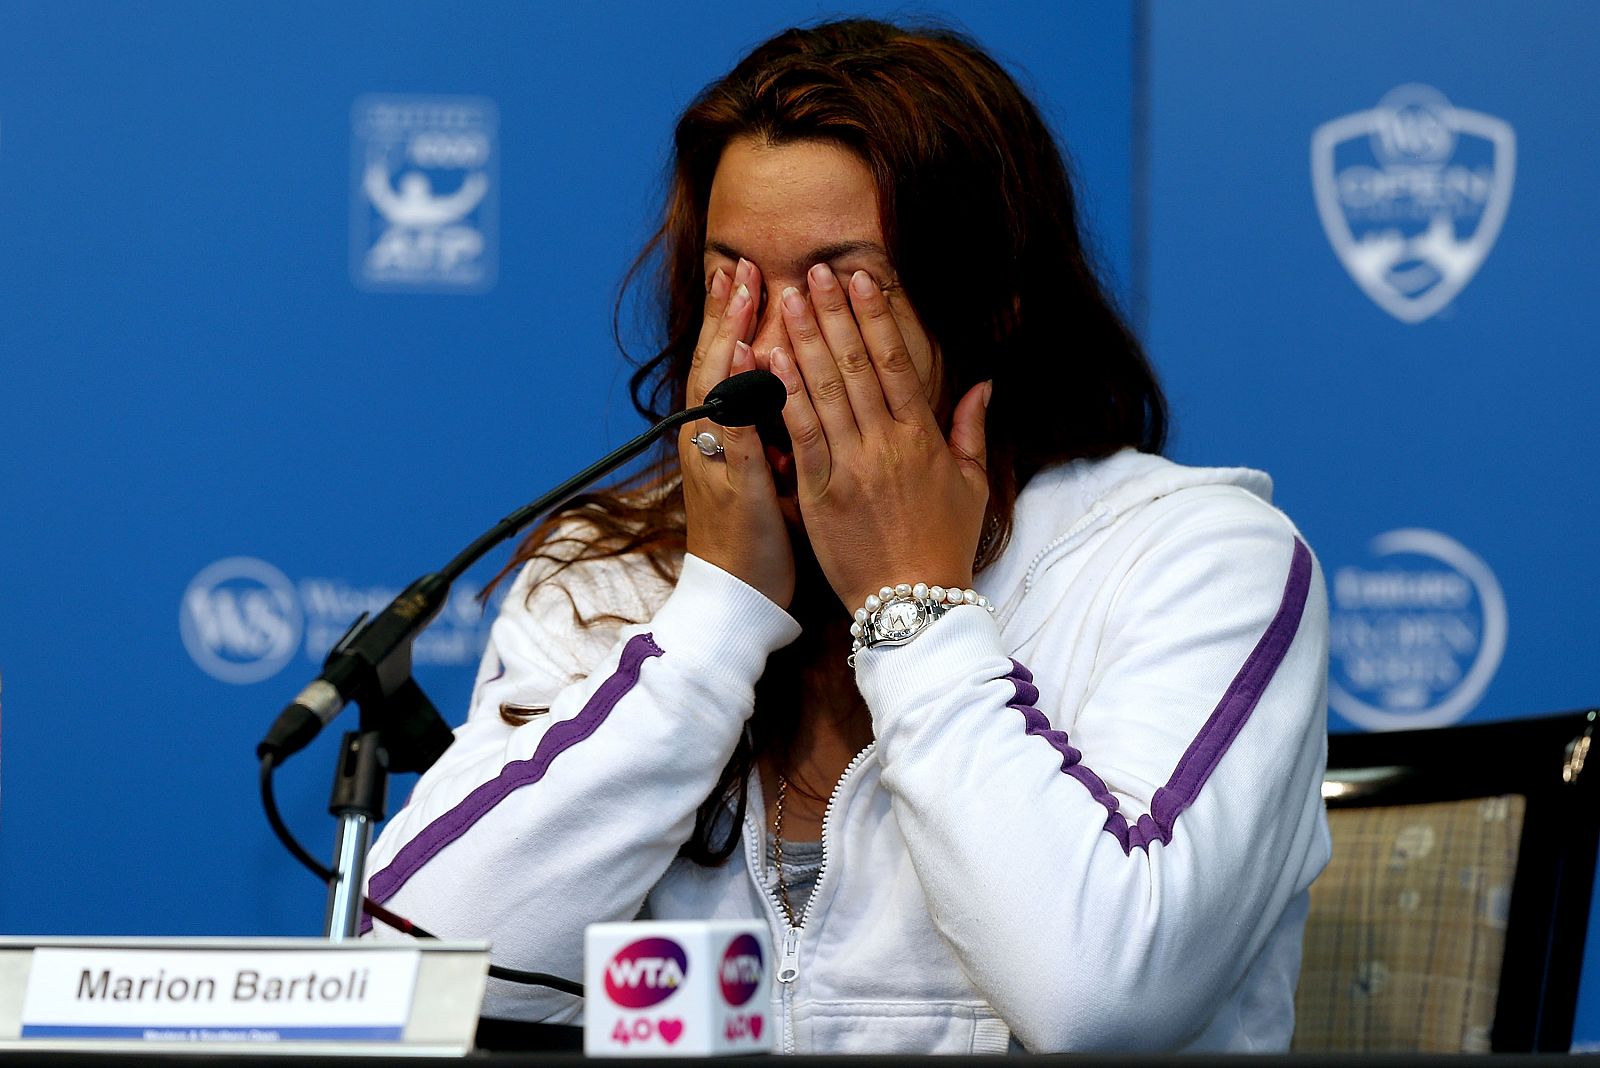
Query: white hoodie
[{"x": 1088, "y": 822}]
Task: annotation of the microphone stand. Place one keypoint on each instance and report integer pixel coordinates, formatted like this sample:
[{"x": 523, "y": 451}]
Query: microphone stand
[{"x": 400, "y": 729}]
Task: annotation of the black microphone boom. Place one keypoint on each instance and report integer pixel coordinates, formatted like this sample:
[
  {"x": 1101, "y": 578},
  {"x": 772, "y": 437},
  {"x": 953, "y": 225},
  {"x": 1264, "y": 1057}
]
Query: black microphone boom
[{"x": 371, "y": 664}]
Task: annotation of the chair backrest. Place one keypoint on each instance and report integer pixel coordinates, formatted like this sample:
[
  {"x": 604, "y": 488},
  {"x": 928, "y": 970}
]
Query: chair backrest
[{"x": 1452, "y": 916}]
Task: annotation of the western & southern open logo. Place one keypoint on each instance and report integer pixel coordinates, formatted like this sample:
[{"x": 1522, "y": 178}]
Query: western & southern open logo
[
  {"x": 1412, "y": 194},
  {"x": 243, "y": 620}
]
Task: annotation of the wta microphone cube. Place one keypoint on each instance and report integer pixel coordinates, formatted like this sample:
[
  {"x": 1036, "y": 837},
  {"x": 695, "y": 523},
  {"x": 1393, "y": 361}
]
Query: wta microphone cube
[{"x": 676, "y": 989}]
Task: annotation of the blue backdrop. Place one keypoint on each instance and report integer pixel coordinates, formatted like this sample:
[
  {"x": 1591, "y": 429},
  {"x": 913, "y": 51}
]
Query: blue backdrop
[
  {"x": 1366, "y": 253},
  {"x": 244, "y": 405},
  {"x": 296, "y": 299}
]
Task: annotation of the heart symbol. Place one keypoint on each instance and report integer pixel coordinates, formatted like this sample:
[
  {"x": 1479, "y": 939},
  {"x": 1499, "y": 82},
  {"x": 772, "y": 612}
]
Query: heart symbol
[
  {"x": 669, "y": 1030},
  {"x": 755, "y": 1027}
]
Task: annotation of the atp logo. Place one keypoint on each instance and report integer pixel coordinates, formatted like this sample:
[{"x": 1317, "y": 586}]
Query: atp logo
[
  {"x": 741, "y": 970},
  {"x": 1412, "y": 194},
  {"x": 646, "y": 972},
  {"x": 1416, "y": 635},
  {"x": 423, "y": 200},
  {"x": 240, "y": 620}
]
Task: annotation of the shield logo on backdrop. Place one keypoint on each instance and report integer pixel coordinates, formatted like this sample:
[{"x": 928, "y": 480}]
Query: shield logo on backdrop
[{"x": 1412, "y": 194}]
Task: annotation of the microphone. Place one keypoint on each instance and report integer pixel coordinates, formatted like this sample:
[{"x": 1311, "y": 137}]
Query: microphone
[
  {"x": 371, "y": 664},
  {"x": 748, "y": 398},
  {"x": 372, "y": 660}
]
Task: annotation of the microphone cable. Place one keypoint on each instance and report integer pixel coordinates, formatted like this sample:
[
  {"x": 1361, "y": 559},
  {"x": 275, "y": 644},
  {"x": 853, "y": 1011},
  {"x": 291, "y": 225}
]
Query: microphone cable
[{"x": 269, "y": 802}]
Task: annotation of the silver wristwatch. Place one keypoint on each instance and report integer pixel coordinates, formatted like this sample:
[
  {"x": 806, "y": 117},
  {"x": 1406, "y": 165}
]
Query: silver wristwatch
[{"x": 899, "y": 613}]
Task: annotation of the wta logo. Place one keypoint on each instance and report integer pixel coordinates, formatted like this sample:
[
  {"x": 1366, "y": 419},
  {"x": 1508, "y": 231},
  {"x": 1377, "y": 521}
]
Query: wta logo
[
  {"x": 741, "y": 970},
  {"x": 646, "y": 972}
]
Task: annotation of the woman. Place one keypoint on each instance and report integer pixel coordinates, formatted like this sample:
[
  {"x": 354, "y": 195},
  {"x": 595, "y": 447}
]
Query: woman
[{"x": 1079, "y": 812}]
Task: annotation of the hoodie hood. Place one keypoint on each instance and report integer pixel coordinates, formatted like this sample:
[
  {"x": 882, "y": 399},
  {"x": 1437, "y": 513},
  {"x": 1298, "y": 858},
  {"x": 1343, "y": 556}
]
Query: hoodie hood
[{"x": 1062, "y": 503}]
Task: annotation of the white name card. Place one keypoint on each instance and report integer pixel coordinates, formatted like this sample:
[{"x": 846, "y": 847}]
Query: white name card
[
  {"x": 217, "y": 995},
  {"x": 231, "y": 994}
]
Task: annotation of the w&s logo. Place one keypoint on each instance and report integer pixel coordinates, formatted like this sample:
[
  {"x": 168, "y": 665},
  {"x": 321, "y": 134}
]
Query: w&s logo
[
  {"x": 646, "y": 972},
  {"x": 240, "y": 620},
  {"x": 1412, "y": 194}
]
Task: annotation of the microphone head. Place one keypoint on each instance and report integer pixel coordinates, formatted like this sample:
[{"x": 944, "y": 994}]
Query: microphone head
[{"x": 747, "y": 398}]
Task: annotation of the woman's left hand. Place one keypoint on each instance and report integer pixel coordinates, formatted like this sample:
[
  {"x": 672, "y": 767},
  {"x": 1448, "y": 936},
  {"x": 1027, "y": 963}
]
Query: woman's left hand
[{"x": 885, "y": 496}]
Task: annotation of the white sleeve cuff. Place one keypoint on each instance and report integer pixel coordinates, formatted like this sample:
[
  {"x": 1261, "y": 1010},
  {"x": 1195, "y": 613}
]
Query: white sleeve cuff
[
  {"x": 964, "y": 641},
  {"x": 722, "y": 623}
]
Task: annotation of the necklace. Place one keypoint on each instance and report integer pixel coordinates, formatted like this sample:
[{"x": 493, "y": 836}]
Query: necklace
[{"x": 777, "y": 852}]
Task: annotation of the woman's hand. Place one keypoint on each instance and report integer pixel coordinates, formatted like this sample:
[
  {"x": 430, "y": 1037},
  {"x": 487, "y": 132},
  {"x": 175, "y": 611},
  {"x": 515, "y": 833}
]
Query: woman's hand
[
  {"x": 885, "y": 496},
  {"x": 730, "y": 504}
]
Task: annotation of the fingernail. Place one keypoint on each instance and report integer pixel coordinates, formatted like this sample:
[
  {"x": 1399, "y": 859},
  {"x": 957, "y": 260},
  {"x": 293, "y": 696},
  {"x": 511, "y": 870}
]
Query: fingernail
[
  {"x": 822, "y": 276},
  {"x": 861, "y": 284},
  {"x": 988, "y": 392},
  {"x": 741, "y": 297},
  {"x": 780, "y": 361},
  {"x": 793, "y": 303},
  {"x": 743, "y": 357},
  {"x": 720, "y": 284},
  {"x": 741, "y": 272}
]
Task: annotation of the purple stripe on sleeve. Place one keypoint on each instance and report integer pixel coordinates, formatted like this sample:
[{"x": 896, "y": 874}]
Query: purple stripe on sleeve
[
  {"x": 1035, "y": 723},
  {"x": 517, "y": 774},
  {"x": 1208, "y": 747}
]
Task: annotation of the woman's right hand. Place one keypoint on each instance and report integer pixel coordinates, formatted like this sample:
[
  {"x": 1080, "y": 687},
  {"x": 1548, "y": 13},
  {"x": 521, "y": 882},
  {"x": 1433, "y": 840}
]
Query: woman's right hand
[{"x": 730, "y": 502}]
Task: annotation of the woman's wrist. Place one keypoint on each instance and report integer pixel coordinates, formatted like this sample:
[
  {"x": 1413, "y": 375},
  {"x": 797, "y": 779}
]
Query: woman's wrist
[{"x": 894, "y": 615}]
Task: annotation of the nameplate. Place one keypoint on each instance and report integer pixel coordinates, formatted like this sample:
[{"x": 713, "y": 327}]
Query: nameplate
[
  {"x": 200, "y": 995},
  {"x": 177, "y": 992}
]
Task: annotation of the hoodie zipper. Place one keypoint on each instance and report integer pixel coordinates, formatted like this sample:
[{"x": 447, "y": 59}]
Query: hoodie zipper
[{"x": 788, "y": 969}]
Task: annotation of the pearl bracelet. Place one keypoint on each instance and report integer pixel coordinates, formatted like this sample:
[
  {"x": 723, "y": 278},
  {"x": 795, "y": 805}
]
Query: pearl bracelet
[{"x": 896, "y": 614}]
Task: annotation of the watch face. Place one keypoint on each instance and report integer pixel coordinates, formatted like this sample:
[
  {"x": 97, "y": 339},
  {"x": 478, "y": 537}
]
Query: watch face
[{"x": 899, "y": 619}]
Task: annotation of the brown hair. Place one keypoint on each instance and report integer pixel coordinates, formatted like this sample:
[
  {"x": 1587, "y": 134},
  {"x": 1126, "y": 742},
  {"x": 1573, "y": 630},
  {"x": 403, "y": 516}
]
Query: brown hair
[{"x": 968, "y": 176}]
